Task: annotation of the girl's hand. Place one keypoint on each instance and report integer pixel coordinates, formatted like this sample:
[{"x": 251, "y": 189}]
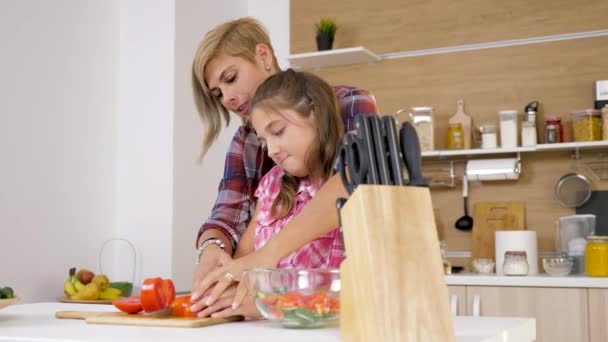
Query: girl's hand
[
  {"x": 247, "y": 308},
  {"x": 214, "y": 283},
  {"x": 222, "y": 303},
  {"x": 211, "y": 259}
]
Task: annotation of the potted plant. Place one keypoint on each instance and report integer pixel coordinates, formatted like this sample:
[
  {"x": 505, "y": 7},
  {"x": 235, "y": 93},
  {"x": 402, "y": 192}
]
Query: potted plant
[{"x": 326, "y": 30}]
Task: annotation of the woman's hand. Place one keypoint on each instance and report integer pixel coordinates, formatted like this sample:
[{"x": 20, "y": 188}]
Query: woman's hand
[
  {"x": 214, "y": 283},
  {"x": 246, "y": 306},
  {"x": 211, "y": 259}
]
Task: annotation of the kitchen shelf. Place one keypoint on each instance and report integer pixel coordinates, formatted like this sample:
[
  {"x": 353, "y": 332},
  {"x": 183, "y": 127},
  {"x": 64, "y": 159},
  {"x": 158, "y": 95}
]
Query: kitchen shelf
[
  {"x": 315, "y": 60},
  {"x": 569, "y": 146}
]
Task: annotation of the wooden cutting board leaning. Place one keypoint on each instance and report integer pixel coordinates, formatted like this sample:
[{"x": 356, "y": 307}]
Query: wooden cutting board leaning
[
  {"x": 490, "y": 217},
  {"x": 121, "y": 318}
]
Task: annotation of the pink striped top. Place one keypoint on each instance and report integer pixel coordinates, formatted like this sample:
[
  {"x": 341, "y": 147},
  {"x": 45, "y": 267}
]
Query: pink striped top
[{"x": 324, "y": 252}]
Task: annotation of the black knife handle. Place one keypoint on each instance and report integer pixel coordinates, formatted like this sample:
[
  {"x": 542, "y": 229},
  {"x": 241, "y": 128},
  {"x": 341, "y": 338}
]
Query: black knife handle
[
  {"x": 365, "y": 134},
  {"x": 339, "y": 204},
  {"x": 378, "y": 135},
  {"x": 410, "y": 148},
  {"x": 393, "y": 150}
]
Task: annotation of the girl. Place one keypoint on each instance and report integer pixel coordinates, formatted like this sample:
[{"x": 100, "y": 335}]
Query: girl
[{"x": 231, "y": 62}]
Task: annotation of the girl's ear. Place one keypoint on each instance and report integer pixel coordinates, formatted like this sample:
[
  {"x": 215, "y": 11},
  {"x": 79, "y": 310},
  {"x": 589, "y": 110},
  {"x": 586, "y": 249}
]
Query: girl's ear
[{"x": 264, "y": 55}]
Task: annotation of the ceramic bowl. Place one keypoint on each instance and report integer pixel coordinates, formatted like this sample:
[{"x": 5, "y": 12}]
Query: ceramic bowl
[
  {"x": 483, "y": 266},
  {"x": 557, "y": 266},
  {"x": 297, "y": 298}
]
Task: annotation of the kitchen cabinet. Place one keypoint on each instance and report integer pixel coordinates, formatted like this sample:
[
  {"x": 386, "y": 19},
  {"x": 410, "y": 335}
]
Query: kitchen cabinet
[
  {"x": 562, "y": 314},
  {"x": 458, "y": 300},
  {"x": 598, "y": 315}
]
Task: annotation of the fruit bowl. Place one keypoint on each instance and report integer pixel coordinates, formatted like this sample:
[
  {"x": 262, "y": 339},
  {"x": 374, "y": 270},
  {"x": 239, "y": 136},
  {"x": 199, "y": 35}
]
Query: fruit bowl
[
  {"x": 9, "y": 301},
  {"x": 297, "y": 298},
  {"x": 557, "y": 266}
]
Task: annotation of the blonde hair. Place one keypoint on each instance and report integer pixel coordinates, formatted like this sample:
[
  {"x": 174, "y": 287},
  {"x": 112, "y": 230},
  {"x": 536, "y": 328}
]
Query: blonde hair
[
  {"x": 307, "y": 95},
  {"x": 236, "y": 38}
]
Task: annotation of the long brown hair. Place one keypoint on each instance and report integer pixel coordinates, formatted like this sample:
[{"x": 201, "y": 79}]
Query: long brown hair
[
  {"x": 307, "y": 95},
  {"x": 236, "y": 38}
]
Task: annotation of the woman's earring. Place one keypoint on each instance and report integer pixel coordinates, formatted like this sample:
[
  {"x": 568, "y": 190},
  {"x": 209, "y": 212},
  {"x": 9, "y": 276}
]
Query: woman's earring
[{"x": 267, "y": 69}]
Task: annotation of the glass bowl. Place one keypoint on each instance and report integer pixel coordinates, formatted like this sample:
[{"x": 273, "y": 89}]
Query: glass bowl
[
  {"x": 297, "y": 298},
  {"x": 483, "y": 265},
  {"x": 558, "y": 266}
]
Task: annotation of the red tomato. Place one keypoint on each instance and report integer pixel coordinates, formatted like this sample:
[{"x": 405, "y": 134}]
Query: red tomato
[
  {"x": 130, "y": 305},
  {"x": 181, "y": 307},
  {"x": 157, "y": 294}
]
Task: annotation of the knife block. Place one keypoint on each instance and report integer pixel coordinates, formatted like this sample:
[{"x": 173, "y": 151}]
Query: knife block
[{"x": 392, "y": 281}]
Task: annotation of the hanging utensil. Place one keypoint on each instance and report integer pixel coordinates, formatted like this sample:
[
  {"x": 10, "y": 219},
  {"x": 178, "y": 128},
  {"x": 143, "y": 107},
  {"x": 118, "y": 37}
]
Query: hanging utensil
[{"x": 466, "y": 221}]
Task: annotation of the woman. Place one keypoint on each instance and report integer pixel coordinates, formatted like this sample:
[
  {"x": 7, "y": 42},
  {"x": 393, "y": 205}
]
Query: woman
[{"x": 231, "y": 62}]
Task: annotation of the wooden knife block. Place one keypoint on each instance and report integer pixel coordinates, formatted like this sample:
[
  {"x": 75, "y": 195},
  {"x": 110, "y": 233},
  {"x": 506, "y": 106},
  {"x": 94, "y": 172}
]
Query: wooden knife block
[{"x": 392, "y": 280}]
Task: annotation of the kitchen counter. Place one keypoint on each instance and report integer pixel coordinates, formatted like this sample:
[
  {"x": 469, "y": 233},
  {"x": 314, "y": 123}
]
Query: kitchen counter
[
  {"x": 36, "y": 322},
  {"x": 540, "y": 280}
]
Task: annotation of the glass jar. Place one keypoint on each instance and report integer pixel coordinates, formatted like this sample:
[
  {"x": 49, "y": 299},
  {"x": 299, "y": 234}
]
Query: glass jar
[
  {"x": 422, "y": 120},
  {"x": 508, "y": 128},
  {"x": 515, "y": 264},
  {"x": 556, "y": 122},
  {"x": 488, "y": 135},
  {"x": 587, "y": 125},
  {"x": 596, "y": 256},
  {"x": 455, "y": 138},
  {"x": 447, "y": 267}
]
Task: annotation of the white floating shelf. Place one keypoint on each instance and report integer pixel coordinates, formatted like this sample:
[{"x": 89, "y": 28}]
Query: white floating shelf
[
  {"x": 537, "y": 148},
  {"x": 315, "y": 60}
]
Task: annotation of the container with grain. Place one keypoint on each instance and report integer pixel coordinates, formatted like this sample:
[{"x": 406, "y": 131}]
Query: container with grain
[{"x": 587, "y": 125}]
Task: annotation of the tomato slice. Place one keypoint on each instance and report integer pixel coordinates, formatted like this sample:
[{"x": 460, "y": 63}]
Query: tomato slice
[
  {"x": 157, "y": 294},
  {"x": 181, "y": 307},
  {"x": 129, "y": 305},
  {"x": 151, "y": 295}
]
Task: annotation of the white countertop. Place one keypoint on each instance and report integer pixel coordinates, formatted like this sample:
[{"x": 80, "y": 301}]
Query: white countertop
[
  {"x": 540, "y": 280},
  {"x": 36, "y": 322}
]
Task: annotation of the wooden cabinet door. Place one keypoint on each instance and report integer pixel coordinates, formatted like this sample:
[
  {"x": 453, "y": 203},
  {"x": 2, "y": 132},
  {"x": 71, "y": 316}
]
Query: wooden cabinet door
[
  {"x": 561, "y": 313},
  {"x": 458, "y": 297},
  {"x": 598, "y": 315}
]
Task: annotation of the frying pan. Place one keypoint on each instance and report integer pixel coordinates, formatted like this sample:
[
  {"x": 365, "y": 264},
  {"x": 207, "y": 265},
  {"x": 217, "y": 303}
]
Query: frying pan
[{"x": 572, "y": 190}]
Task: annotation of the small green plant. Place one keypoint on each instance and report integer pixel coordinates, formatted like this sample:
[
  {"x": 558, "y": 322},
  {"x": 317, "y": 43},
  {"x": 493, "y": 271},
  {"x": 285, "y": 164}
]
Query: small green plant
[{"x": 326, "y": 26}]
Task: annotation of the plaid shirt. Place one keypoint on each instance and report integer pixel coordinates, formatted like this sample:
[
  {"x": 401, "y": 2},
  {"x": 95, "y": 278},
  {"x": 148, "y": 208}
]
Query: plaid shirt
[
  {"x": 247, "y": 162},
  {"x": 325, "y": 252}
]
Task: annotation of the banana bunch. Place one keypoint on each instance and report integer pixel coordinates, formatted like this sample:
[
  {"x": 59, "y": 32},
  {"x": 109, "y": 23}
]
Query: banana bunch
[{"x": 87, "y": 286}]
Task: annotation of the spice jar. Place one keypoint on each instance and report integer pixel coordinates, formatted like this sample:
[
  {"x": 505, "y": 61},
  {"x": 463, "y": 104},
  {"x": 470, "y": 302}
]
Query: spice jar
[
  {"x": 596, "y": 256},
  {"x": 455, "y": 138},
  {"x": 587, "y": 125},
  {"x": 515, "y": 264},
  {"x": 488, "y": 135},
  {"x": 422, "y": 120},
  {"x": 556, "y": 122}
]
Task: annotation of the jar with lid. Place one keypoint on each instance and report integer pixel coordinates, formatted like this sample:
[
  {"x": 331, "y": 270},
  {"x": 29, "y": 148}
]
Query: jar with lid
[
  {"x": 488, "y": 135},
  {"x": 515, "y": 264},
  {"x": 455, "y": 138},
  {"x": 508, "y": 128},
  {"x": 596, "y": 256},
  {"x": 587, "y": 125},
  {"x": 556, "y": 130},
  {"x": 422, "y": 120}
]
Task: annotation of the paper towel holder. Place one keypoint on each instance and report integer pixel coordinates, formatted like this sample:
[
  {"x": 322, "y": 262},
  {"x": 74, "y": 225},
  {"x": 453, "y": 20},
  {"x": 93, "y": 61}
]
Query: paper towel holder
[{"x": 494, "y": 169}]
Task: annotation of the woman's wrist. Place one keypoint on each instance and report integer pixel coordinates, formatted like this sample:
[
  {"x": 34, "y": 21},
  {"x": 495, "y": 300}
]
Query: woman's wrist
[{"x": 212, "y": 233}]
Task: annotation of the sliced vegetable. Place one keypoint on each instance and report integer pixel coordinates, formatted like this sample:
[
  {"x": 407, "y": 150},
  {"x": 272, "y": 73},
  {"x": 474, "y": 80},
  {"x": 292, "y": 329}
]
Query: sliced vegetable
[
  {"x": 181, "y": 307},
  {"x": 129, "y": 305},
  {"x": 168, "y": 291},
  {"x": 152, "y": 295},
  {"x": 299, "y": 310}
]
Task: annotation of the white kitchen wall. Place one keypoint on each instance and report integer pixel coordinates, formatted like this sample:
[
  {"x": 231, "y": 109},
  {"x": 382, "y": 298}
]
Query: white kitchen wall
[
  {"x": 99, "y": 136},
  {"x": 57, "y": 139},
  {"x": 196, "y": 183}
]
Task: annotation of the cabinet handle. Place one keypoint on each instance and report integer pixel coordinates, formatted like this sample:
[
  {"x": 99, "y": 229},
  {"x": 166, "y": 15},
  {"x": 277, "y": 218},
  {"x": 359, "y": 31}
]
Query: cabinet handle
[
  {"x": 476, "y": 305},
  {"x": 454, "y": 305}
]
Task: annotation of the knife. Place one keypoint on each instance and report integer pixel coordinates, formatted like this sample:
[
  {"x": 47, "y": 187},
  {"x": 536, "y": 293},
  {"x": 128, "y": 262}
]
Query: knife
[
  {"x": 396, "y": 169},
  {"x": 410, "y": 149},
  {"x": 380, "y": 149},
  {"x": 367, "y": 152}
]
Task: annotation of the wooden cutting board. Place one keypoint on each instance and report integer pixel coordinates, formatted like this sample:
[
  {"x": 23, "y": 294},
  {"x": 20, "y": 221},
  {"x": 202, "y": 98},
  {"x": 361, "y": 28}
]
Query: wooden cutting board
[
  {"x": 121, "y": 318},
  {"x": 490, "y": 217}
]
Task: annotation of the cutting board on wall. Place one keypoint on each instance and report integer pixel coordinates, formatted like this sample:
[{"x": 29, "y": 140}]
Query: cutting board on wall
[
  {"x": 489, "y": 217},
  {"x": 121, "y": 318}
]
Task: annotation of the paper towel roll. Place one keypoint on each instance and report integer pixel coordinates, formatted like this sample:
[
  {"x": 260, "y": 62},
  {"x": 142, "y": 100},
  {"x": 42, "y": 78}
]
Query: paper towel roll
[{"x": 516, "y": 240}]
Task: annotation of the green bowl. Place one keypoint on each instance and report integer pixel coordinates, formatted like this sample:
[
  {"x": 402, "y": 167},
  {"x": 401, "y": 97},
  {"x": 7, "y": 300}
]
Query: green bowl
[{"x": 125, "y": 287}]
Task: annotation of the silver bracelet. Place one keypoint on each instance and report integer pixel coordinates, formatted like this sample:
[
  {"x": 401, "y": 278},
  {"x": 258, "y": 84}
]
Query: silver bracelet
[{"x": 210, "y": 241}]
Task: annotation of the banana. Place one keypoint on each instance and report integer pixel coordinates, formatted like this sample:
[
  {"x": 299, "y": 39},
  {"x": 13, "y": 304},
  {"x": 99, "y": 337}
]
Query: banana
[
  {"x": 110, "y": 293},
  {"x": 89, "y": 292},
  {"x": 78, "y": 285},
  {"x": 68, "y": 285}
]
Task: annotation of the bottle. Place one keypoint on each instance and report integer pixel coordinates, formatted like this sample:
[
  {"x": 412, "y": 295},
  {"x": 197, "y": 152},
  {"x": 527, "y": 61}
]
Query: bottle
[
  {"x": 531, "y": 110},
  {"x": 528, "y": 134},
  {"x": 447, "y": 267},
  {"x": 455, "y": 138}
]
